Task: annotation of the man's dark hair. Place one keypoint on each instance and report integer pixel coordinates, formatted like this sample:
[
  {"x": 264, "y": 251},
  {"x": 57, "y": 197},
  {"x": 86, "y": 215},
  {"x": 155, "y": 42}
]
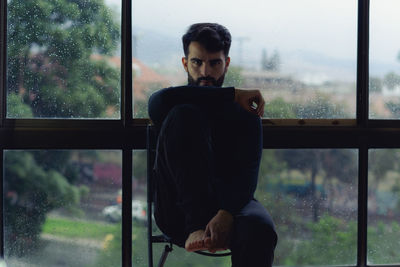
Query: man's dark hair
[{"x": 214, "y": 37}]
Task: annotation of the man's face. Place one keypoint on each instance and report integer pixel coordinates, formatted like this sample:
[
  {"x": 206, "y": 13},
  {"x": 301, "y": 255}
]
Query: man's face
[{"x": 205, "y": 68}]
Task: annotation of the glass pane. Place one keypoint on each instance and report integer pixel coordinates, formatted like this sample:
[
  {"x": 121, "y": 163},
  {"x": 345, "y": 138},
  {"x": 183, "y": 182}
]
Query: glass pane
[
  {"x": 62, "y": 207},
  {"x": 301, "y": 54},
  {"x": 179, "y": 257},
  {"x": 312, "y": 197},
  {"x": 384, "y": 80},
  {"x": 63, "y": 59},
  {"x": 384, "y": 206},
  {"x": 315, "y": 227},
  {"x": 139, "y": 209}
]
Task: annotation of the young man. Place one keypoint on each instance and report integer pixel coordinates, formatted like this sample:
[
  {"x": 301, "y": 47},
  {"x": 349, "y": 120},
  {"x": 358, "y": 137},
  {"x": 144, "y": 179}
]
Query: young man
[{"x": 208, "y": 156}]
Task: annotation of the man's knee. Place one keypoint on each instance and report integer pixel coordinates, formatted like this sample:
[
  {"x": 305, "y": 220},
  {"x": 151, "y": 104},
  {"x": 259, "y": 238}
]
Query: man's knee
[
  {"x": 186, "y": 113},
  {"x": 254, "y": 241},
  {"x": 186, "y": 124},
  {"x": 257, "y": 230}
]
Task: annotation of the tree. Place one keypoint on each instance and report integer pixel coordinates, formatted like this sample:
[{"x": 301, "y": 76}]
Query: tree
[
  {"x": 380, "y": 162},
  {"x": 391, "y": 80},
  {"x": 51, "y": 64},
  {"x": 275, "y": 61},
  {"x": 57, "y": 67},
  {"x": 375, "y": 85},
  {"x": 325, "y": 163},
  {"x": 264, "y": 60},
  {"x": 307, "y": 161},
  {"x": 32, "y": 190},
  {"x": 270, "y": 63}
]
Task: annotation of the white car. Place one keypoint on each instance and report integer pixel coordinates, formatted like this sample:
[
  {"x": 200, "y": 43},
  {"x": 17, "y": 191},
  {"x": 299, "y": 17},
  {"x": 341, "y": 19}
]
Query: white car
[{"x": 114, "y": 212}]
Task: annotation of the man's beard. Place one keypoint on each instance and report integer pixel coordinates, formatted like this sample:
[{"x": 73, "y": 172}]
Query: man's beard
[{"x": 217, "y": 83}]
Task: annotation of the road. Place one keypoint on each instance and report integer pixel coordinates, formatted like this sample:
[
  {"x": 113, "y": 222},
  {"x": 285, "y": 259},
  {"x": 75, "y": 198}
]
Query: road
[{"x": 60, "y": 252}]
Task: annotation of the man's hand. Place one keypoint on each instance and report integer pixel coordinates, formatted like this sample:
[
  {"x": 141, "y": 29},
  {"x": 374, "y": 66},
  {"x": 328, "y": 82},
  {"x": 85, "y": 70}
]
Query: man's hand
[
  {"x": 247, "y": 98},
  {"x": 218, "y": 231}
]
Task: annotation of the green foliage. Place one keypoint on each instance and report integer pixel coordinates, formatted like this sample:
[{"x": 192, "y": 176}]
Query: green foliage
[
  {"x": 110, "y": 256},
  {"x": 323, "y": 162},
  {"x": 57, "y": 67},
  {"x": 270, "y": 168},
  {"x": 141, "y": 105},
  {"x": 30, "y": 192},
  {"x": 278, "y": 108},
  {"x": 50, "y": 57},
  {"x": 326, "y": 160},
  {"x": 16, "y": 108},
  {"x": 77, "y": 229},
  {"x": 383, "y": 240},
  {"x": 396, "y": 190},
  {"x": 380, "y": 162},
  {"x": 331, "y": 241},
  {"x": 320, "y": 108},
  {"x": 234, "y": 77}
]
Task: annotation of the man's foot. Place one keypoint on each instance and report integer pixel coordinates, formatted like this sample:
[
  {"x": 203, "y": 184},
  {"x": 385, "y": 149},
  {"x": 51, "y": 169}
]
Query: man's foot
[
  {"x": 210, "y": 246},
  {"x": 195, "y": 241},
  {"x": 218, "y": 232}
]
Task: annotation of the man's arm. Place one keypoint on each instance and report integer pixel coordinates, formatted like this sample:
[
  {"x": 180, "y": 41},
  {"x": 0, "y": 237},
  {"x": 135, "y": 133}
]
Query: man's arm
[
  {"x": 162, "y": 101},
  {"x": 251, "y": 100}
]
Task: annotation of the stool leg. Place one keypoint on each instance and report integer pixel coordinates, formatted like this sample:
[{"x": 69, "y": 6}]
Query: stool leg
[{"x": 163, "y": 258}]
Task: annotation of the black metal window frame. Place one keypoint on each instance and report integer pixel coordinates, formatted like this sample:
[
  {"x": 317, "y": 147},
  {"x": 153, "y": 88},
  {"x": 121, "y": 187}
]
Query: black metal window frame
[{"x": 128, "y": 134}]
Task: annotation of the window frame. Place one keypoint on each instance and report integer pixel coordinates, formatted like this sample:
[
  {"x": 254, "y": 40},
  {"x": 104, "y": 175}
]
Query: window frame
[{"x": 128, "y": 134}]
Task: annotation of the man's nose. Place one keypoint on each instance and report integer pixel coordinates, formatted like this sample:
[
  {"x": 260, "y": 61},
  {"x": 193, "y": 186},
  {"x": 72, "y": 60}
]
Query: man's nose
[{"x": 204, "y": 70}]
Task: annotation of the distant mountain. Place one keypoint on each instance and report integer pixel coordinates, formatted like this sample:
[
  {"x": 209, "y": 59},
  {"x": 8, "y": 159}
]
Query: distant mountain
[
  {"x": 379, "y": 69},
  {"x": 315, "y": 67},
  {"x": 154, "y": 47},
  {"x": 310, "y": 63}
]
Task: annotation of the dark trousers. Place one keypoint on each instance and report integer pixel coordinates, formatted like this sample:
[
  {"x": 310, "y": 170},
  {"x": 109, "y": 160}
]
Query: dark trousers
[{"x": 186, "y": 195}]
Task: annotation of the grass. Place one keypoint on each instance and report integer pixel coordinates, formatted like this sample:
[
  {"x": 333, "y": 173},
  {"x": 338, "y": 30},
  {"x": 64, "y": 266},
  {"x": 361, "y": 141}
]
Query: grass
[{"x": 77, "y": 229}]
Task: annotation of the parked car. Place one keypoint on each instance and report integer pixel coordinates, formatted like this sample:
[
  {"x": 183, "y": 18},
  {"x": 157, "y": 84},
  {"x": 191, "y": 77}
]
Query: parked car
[{"x": 113, "y": 213}]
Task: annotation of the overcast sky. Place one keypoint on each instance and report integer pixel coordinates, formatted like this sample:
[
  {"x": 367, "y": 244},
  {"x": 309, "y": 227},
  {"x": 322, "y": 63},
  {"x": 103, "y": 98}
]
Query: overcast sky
[{"x": 325, "y": 27}]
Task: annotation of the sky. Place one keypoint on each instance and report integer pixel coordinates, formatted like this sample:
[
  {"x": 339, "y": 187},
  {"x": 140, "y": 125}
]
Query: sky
[{"x": 317, "y": 28}]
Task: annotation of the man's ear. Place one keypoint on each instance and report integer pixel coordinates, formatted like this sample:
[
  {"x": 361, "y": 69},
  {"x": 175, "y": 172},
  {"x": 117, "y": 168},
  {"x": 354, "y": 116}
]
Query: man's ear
[
  {"x": 227, "y": 62},
  {"x": 185, "y": 63}
]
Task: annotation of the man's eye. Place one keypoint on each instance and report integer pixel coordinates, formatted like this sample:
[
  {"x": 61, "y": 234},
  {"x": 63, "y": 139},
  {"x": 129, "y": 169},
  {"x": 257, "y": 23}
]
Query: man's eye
[
  {"x": 215, "y": 63},
  {"x": 196, "y": 62}
]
